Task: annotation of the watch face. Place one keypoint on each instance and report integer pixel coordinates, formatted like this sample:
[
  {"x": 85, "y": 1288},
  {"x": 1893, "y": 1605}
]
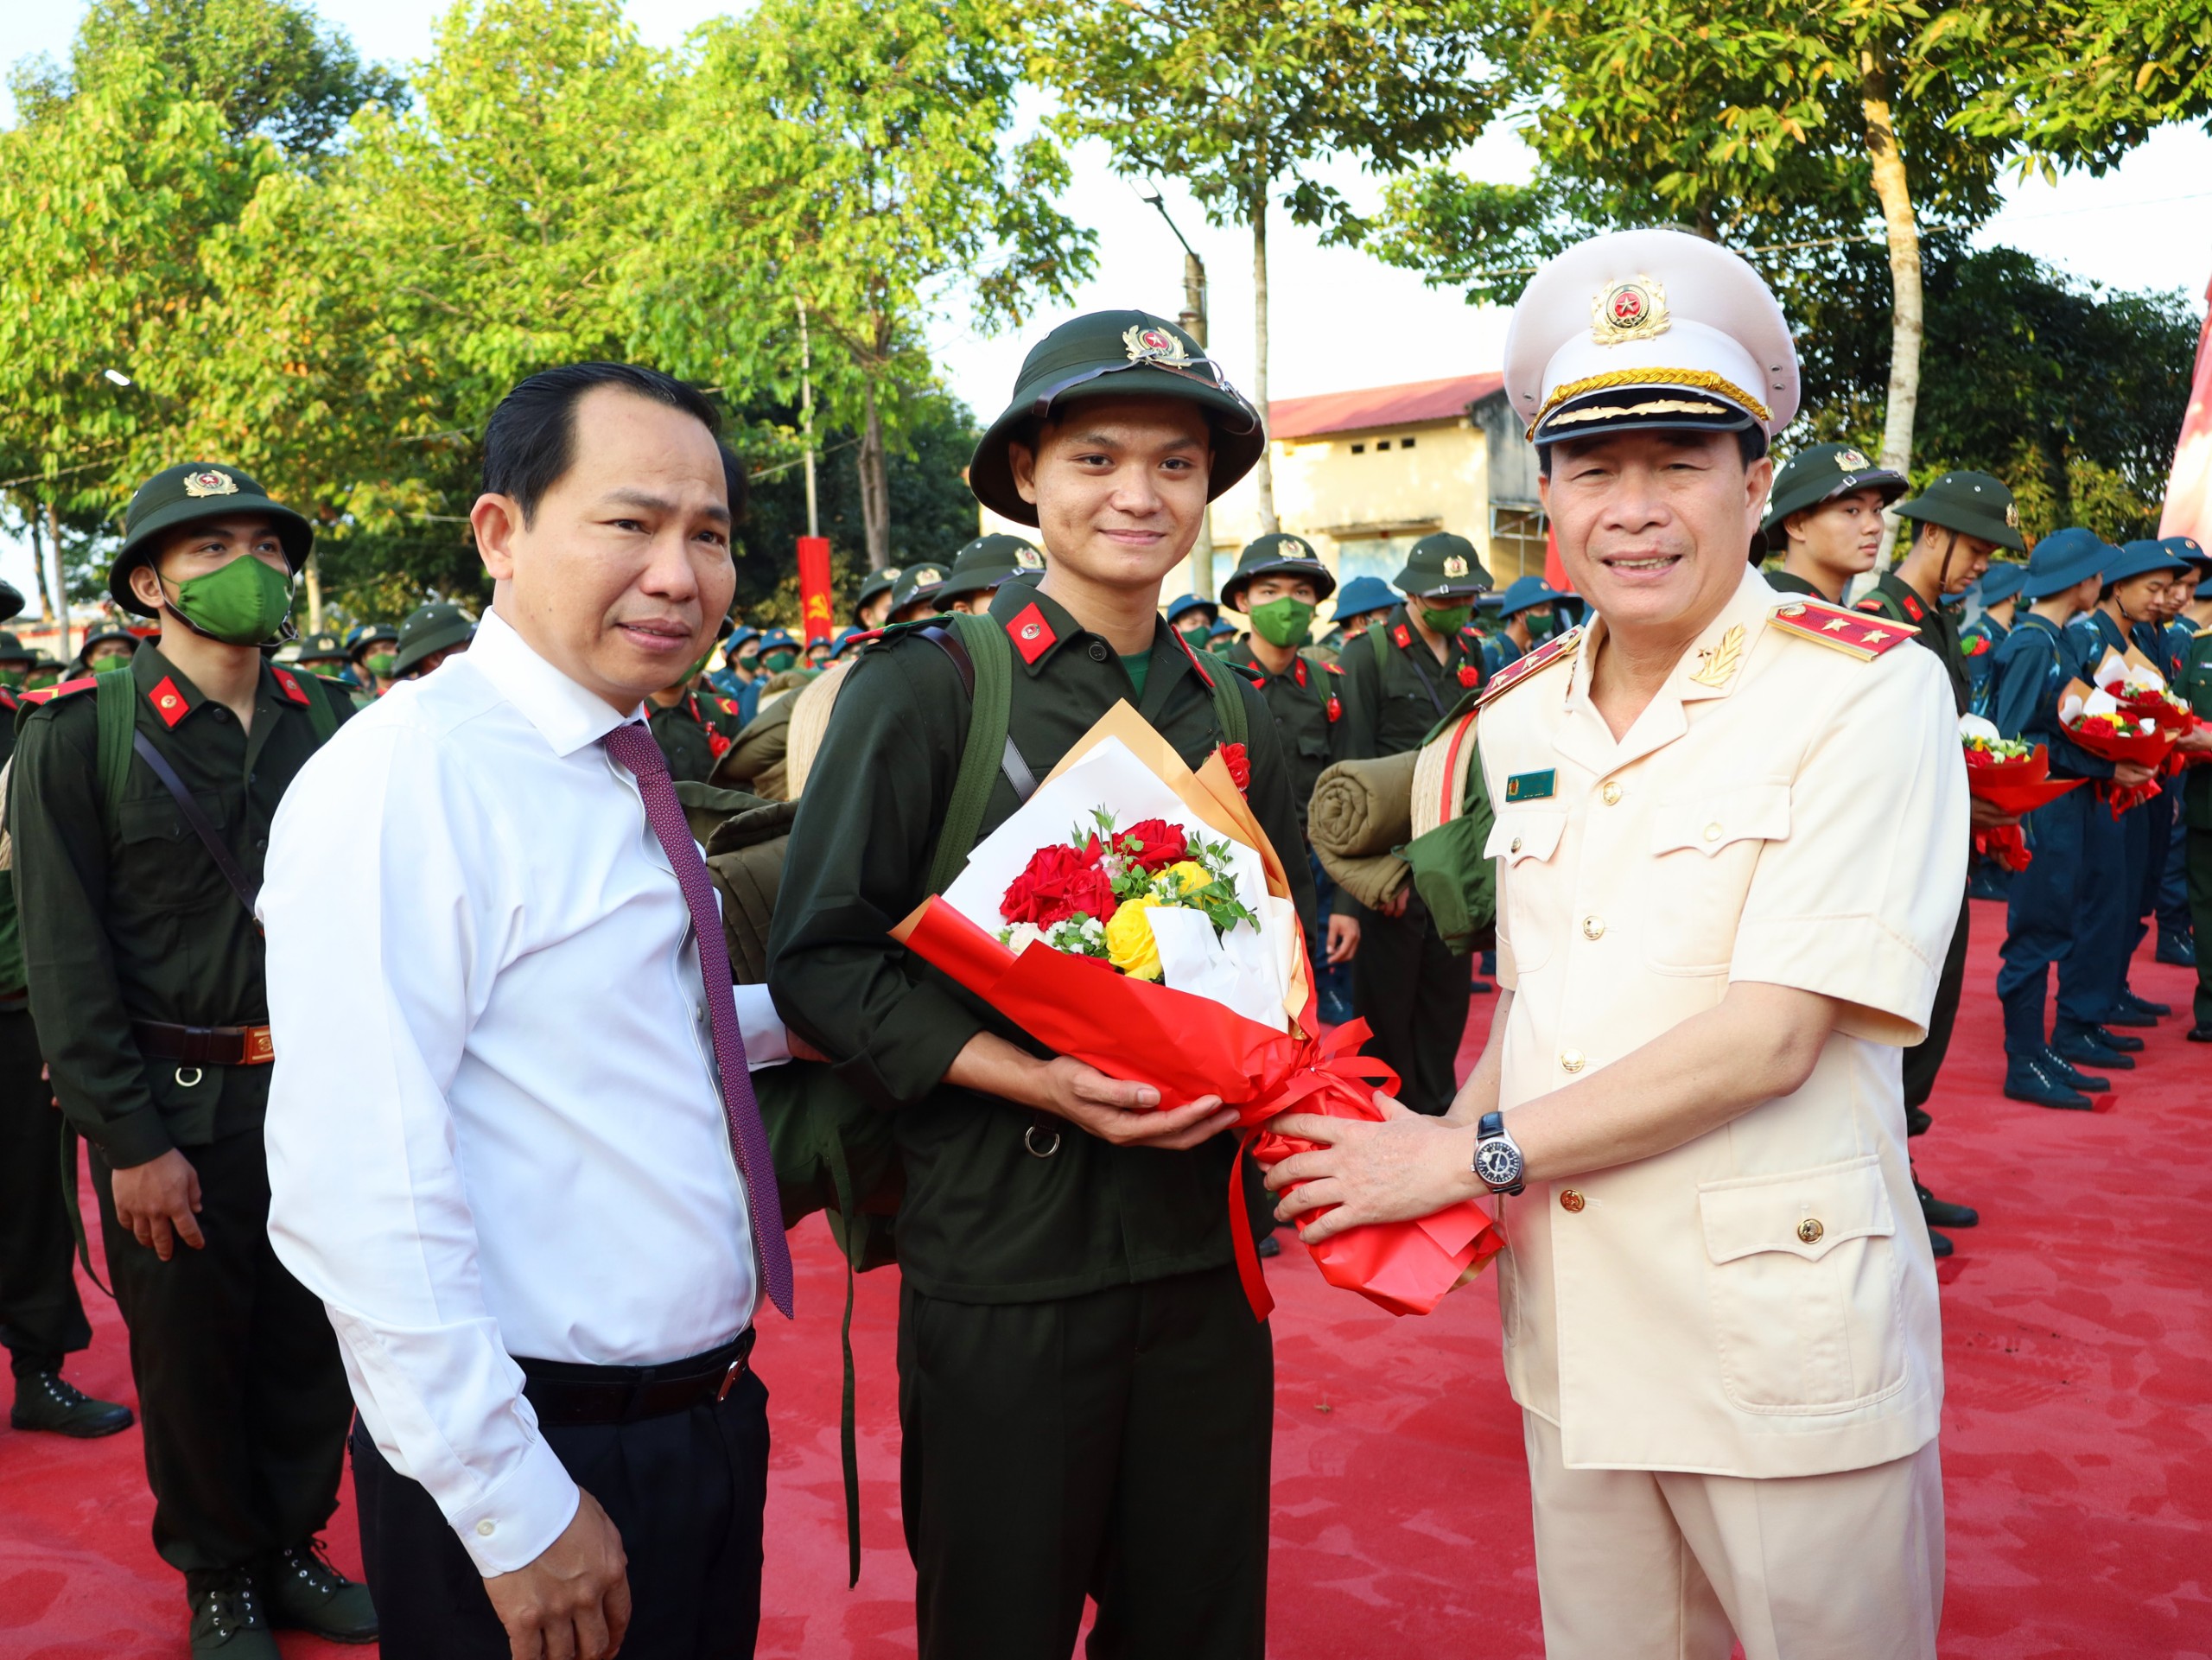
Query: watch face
[{"x": 1497, "y": 1163}]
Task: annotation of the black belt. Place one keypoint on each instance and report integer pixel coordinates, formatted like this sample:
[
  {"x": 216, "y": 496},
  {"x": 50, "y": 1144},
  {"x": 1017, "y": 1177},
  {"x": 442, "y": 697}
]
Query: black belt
[
  {"x": 570, "y": 1395},
  {"x": 203, "y": 1046}
]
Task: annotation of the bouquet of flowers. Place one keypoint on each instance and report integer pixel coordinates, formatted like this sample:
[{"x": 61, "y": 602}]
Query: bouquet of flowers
[
  {"x": 2013, "y": 776},
  {"x": 2097, "y": 720},
  {"x": 1132, "y": 914}
]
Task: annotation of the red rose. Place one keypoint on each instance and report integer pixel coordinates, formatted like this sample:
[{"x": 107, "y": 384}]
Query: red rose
[
  {"x": 1240, "y": 767},
  {"x": 1058, "y": 883},
  {"x": 1470, "y": 675},
  {"x": 1152, "y": 844}
]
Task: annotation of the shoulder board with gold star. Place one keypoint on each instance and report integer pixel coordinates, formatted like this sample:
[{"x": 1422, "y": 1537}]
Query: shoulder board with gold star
[
  {"x": 1557, "y": 649},
  {"x": 1863, "y": 637}
]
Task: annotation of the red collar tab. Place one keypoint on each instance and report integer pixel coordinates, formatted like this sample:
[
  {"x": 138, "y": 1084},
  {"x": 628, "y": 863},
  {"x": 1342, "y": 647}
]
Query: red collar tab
[
  {"x": 45, "y": 694},
  {"x": 286, "y": 682},
  {"x": 1913, "y": 608},
  {"x": 1032, "y": 635},
  {"x": 169, "y": 703},
  {"x": 1298, "y": 669},
  {"x": 1870, "y": 603},
  {"x": 1403, "y": 634}
]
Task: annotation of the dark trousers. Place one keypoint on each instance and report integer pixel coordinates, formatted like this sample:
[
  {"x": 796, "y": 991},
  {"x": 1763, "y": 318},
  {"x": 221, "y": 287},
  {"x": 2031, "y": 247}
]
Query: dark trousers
[
  {"x": 2199, "y": 911},
  {"x": 1413, "y": 994},
  {"x": 1114, "y": 1446},
  {"x": 1331, "y": 982},
  {"x": 2150, "y": 828},
  {"x": 41, "y": 1317},
  {"x": 1925, "y": 1059},
  {"x": 686, "y": 1491},
  {"x": 240, "y": 1389},
  {"x": 2173, "y": 880}
]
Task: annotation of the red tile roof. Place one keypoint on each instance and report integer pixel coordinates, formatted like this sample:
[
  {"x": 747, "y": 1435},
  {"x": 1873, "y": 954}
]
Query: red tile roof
[{"x": 1378, "y": 406}]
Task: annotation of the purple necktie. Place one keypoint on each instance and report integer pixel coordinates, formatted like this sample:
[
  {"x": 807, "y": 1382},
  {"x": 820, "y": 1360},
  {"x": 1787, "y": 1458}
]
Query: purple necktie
[{"x": 636, "y": 748}]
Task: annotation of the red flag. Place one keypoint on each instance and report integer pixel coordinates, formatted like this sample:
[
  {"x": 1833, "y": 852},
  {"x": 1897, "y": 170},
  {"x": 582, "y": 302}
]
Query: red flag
[
  {"x": 818, "y": 616},
  {"x": 1554, "y": 572},
  {"x": 2189, "y": 490}
]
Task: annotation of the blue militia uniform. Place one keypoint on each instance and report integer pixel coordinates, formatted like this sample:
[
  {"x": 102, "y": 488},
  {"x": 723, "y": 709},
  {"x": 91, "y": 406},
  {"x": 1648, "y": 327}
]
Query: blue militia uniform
[
  {"x": 1980, "y": 644},
  {"x": 2074, "y": 882},
  {"x": 2175, "y": 931},
  {"x": 2117, "y": 922}
]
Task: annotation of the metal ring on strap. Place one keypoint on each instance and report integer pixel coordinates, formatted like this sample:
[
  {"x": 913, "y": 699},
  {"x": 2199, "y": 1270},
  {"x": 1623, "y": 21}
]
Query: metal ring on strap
[
  {"x": 184, "y": 1083},
  {"x": 1029, "y": 1140}
]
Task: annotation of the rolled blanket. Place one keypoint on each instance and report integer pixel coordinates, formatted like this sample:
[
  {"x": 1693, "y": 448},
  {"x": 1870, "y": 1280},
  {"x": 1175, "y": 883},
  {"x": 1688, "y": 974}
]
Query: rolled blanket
[
  {"x": 1371, "y": 881},
  {"x": 1361, "y": 809},
  {"x": 755, "y": 761},
  {"x": 745, "y": 856}
]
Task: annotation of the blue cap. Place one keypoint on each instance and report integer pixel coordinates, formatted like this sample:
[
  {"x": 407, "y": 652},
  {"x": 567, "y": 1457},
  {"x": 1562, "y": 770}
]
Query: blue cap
[
  {"x": 2140, "y": 558},
  {"x": 1183, "y": 604},
  {"x": 1225, "y": 627},
  {"x": 2063, "y": 558},
  {"x": 1523, "y": 592},
  {"x": 1362, "y": 595},
  {"x": 777, "y": 640},
  {"x": 2001, "y": 582},
  {"x": 738, "y": 636},
  {"x": 2189, "y": 549}
]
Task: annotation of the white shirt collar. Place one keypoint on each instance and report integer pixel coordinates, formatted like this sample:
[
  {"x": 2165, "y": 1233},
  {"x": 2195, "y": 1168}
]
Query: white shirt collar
[{"x": 567, "y": 715}]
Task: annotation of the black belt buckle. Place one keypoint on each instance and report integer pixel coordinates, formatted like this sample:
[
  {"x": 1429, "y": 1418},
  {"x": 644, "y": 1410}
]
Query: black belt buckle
[{"x": 730, "y": 1379}]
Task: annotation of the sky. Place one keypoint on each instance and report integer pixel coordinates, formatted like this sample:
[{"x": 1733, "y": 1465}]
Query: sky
[{"x": 1340, "y": 320}]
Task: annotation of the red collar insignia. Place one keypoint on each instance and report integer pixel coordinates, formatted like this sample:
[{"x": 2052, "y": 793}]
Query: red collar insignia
[
  {"x": 46, "y": 693},
  {"x": 1033, "y": 636},
  {"x": 1913, "y": 609},
  {"x": 1404, "y": 635},
  {"x": 169, "y": 703},
  {"x": 291, "y": 687},
  {"x": 1298, "y": 671}
]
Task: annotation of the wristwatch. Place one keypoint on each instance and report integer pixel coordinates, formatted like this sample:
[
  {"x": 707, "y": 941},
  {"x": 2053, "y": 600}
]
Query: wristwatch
[{"x": 1497, "y": 1155}]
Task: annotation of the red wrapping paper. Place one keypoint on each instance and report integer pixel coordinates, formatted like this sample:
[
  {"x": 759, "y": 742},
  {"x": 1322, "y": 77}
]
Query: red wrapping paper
[
  {"x": 2014, "y": 787},
  {"x": 1187, "y": 1047}
]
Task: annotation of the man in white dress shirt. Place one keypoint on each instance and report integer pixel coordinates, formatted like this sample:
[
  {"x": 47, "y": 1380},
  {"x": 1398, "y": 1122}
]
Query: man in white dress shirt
[{"x": 499, "y": 1142}]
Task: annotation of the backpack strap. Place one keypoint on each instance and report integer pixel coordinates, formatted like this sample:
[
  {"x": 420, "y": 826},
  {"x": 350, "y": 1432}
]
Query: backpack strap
[
  {"x": 1229, "y": 715},
  {"x": 115, "y": 719},
  {"x": 978, "y": 647}
]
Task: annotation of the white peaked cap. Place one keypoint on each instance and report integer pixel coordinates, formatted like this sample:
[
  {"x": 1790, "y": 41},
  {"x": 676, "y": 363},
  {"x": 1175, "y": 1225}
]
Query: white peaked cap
[{"x": 1640, "y": 329}]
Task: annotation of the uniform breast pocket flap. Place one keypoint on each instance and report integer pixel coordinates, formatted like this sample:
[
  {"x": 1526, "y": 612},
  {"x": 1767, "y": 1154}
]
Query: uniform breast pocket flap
[
  {"x": 1521, "y": 834},
  {"x": 1803, "y": 1276},
  {"x": 156, "y": 819},
  {"x": 1745, "y": 813}
]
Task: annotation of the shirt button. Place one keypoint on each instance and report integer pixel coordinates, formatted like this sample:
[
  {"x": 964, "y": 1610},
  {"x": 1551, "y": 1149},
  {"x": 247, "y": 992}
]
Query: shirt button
[
  {"x": 1515, "y": 848},
  {"x": 1611, "y": 793},
  {"x": 1593, "y": 927},
  {"x": 1810, "y": 1230},
  {"x": 1571, "y": 1060},
  {"x": 487, "y": 1528},
  {"x": 1571, "y": 1199},
  {"x": 1097, "y": 651},
  {"x": 1713, "y": 832}
]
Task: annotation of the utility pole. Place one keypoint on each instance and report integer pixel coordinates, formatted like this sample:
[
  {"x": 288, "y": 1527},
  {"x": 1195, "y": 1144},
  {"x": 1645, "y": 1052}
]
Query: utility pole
[
  {"x": 1193, "y": 317},
  {"x": 61, "y": 584},
  {"x": 806, "y": 416}
]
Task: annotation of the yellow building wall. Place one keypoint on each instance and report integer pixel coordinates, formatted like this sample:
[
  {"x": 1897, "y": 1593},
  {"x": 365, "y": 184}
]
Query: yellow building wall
[{"x": 1362, "y": 511}]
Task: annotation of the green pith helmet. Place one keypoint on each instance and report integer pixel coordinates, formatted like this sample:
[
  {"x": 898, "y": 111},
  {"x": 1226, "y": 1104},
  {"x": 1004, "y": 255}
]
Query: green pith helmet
[
  {"x": 1972, "y": 504},
  {"x": 1442, "y": 565},
  {"x": 878, "y": 583},
  {"x": 12, "y": 600},
  {"x": 13, "y": 649},
  {"x": 438, "y": 627},
  {"x": 983, "y": 565},
  {"x": 184, "y": 495},
  {"x": 365, "y": 640},
  {"x": 101, "y": 636},
  {"x": 1122, "y": 355},
  {"x": 1279, "y": 554},
  {"x": 321, "y": 648},
  {"x": 1816, "y": 473},
  {"x": 915, "y": 582}
]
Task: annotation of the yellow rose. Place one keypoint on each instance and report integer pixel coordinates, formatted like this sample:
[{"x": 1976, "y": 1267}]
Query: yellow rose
[
  {"x": 1129, "y": 944},
  {"x": 1189, "y": 876}
]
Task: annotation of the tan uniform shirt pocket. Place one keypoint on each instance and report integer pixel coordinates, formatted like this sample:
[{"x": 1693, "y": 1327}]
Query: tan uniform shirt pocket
[
  {"x": 1705, "y": 851},
  {"x": 1531, "y": 898}
]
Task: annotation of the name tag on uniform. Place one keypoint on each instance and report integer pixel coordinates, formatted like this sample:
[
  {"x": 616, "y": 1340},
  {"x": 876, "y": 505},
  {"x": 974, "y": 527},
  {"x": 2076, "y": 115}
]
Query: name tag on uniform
[{"x": 1531, "y": 786}]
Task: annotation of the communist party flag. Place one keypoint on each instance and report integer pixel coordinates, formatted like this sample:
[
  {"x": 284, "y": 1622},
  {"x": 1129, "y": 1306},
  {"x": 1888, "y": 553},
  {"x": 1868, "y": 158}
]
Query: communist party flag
[
  {"x": 818, "y": 616},
  {"x": 2188, "y": 490}
]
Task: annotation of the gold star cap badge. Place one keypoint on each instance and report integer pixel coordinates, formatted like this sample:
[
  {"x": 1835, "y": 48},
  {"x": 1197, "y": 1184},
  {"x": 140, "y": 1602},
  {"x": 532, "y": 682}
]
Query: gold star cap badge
[
  {"x": 1152, "y": 345},
  {"x": 1634, "y": 308},
  {"x": 1850, "y": 460},
  {"x": 1454, "y": 565},
  {"x": 1027, "y": 559},
  {"x": 210, "y": 482}
]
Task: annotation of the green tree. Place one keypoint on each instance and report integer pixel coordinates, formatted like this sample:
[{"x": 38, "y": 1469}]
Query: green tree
[
  {"x": 852, "y": 158},
  {"x": 268, "y": 66},
  {"x": 1242, "y": 98},
  {"x": 1771, "y": 121}
]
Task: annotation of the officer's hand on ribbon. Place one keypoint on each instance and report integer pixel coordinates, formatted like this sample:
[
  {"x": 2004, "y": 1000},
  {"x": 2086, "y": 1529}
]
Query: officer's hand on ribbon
[{"x": 1404, "y": 1166}]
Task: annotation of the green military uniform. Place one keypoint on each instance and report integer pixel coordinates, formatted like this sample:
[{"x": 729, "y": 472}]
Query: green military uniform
[
  {"x": 1085, "y": 1398},
  {"x": 41, "y": 1317},
  {"x": 1969, "y": 504},
  {"x": 146, "y": 982},
  {"x": 694, "y": 732},
  {"x": 1815, "y": 474},
  {"x": 2196, "y": 818},
  {"x": 1407, "y": 984}
]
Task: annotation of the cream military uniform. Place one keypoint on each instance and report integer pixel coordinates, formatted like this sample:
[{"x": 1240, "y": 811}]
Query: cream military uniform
[{"x": 1729, "y": 1355}]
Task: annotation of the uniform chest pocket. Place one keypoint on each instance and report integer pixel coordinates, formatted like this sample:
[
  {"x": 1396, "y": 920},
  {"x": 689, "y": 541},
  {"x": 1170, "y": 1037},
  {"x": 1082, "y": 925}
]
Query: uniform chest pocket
[
  {"x": 1314, "y": 745},
  {"x": 1705, "y": 852},
  {"x": 1803, "y": 1276},
  {"x": 1532, "y": 897},
  {"x": 162, "y": 864}
]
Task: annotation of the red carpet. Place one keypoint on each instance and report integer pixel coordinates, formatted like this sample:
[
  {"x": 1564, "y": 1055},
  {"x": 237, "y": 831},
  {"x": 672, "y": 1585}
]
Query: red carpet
[{"x": 2077, "y": 1437}]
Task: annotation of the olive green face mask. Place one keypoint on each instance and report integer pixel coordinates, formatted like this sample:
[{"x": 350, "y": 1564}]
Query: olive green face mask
[
  {"x": 12, "y": 679},
  {"x": 777, "y": 662},
  {"x": 380, "y": 664},
  {"x": 243, "y": 603},
  {"x": 1446, "y": 619},
  {"x": 1283, "y": 621}
]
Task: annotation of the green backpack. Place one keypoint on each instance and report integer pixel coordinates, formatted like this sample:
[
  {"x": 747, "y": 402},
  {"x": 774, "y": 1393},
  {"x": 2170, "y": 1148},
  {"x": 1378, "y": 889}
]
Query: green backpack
[{"x": 833, "y": 1151}]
